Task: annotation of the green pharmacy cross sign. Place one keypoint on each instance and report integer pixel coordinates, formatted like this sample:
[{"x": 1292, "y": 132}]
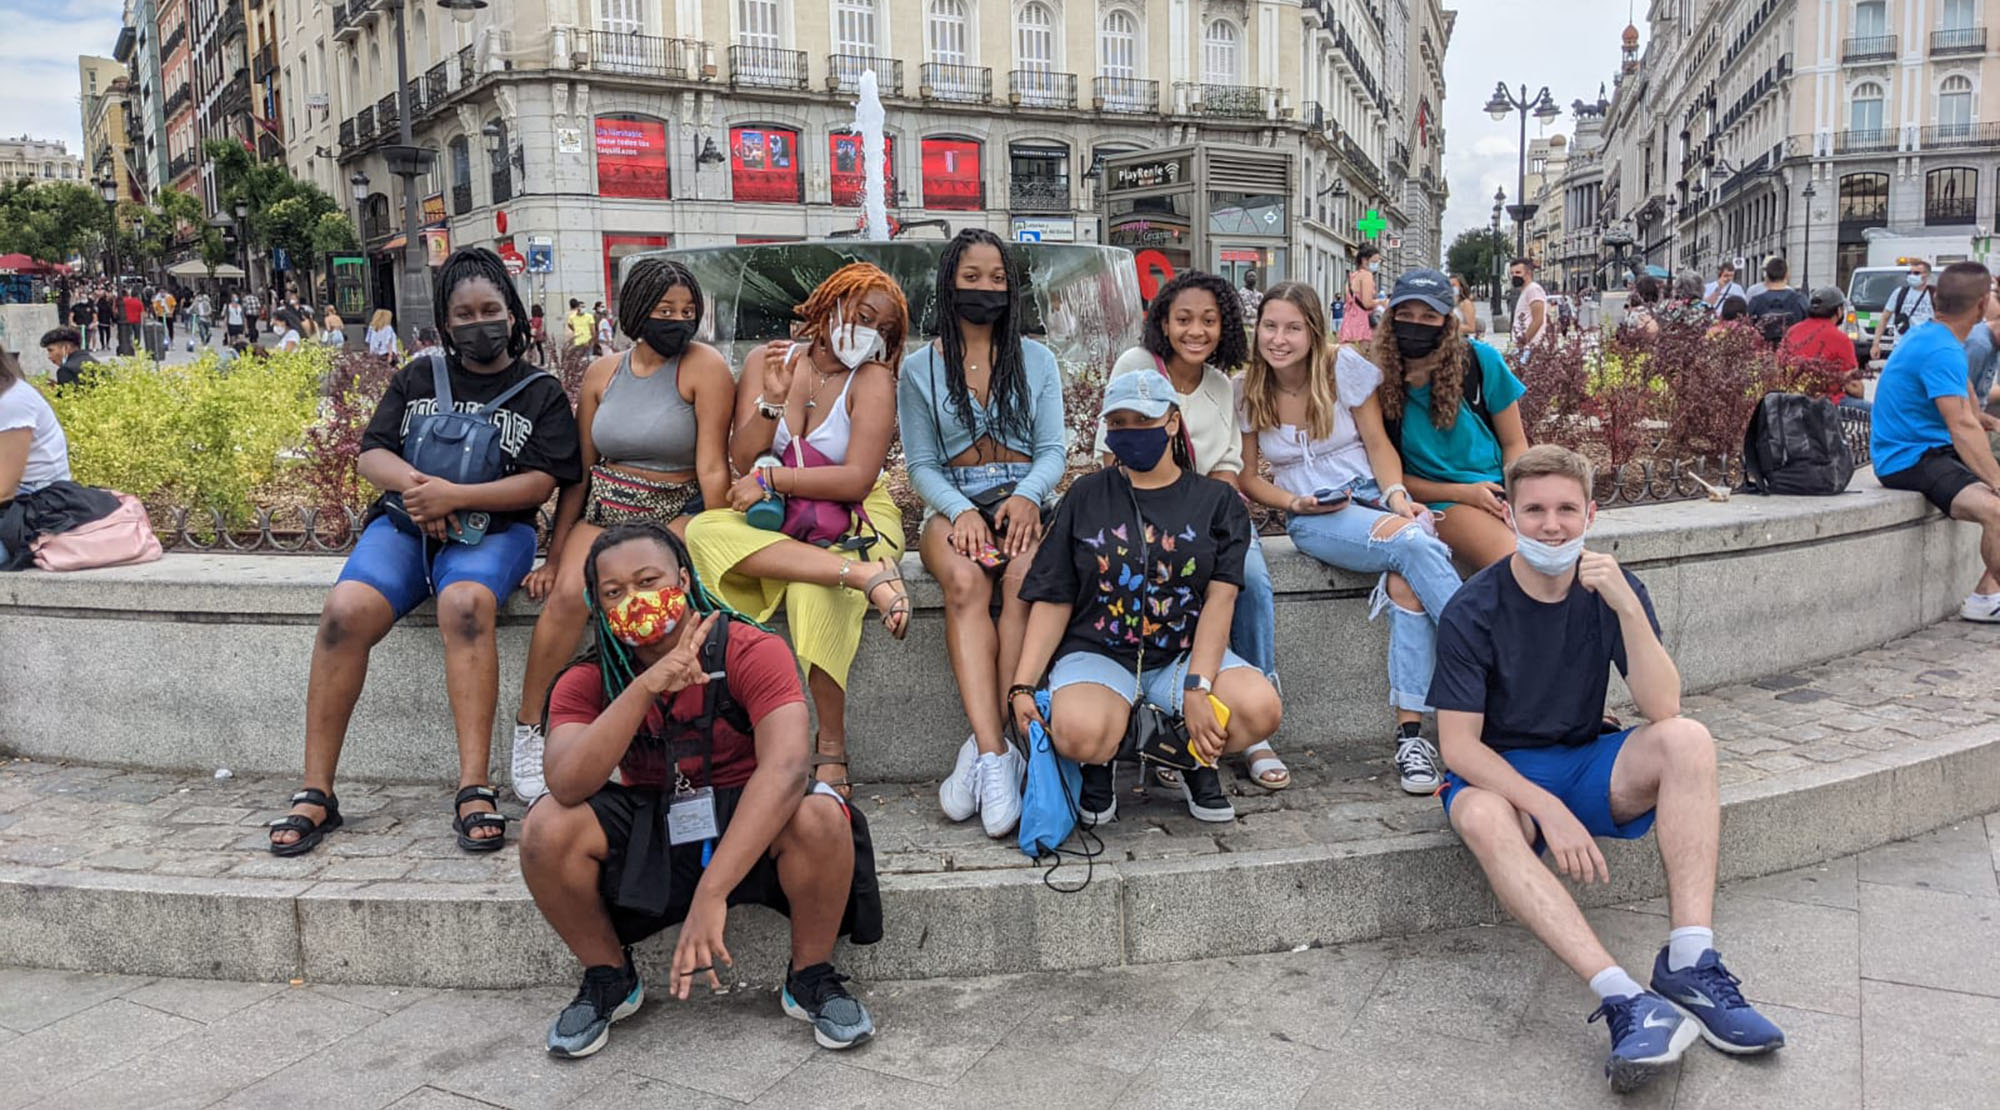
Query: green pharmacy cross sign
[{"x": 1372, "y": 225}]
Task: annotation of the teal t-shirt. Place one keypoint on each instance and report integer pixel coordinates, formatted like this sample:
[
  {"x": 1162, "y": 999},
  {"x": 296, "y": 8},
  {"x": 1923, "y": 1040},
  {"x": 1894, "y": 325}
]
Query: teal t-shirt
[{"x": 1468, "y": 451}]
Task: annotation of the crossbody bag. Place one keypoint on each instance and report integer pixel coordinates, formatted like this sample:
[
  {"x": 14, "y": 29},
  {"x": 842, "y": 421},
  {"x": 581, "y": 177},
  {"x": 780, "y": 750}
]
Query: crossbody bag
[{"x": 1153, "y": 733}]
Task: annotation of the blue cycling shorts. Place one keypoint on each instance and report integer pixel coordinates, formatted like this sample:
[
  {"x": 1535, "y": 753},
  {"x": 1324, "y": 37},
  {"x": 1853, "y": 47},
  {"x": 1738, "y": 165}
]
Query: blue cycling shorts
[{"x": 407, "y": 569}]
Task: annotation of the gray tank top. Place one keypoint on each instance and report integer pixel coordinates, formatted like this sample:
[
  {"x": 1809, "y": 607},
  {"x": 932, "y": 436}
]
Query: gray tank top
[{"x": 645, "y": 422}]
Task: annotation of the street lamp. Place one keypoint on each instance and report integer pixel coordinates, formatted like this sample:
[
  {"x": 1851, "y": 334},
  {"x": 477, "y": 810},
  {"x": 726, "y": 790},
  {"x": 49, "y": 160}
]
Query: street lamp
[
  {"x": 462, "y": 10},
  {"x": 1805, "y": 261},
  {"x": 107, "y": 187},
  {"x": 1673, "y": 229},
  {"x": 1544, "y": 109},
  {"x": 1499, "y": 199}
]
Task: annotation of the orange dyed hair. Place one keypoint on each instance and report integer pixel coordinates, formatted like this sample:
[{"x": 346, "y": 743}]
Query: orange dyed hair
[{"x": 845, "y": 286}]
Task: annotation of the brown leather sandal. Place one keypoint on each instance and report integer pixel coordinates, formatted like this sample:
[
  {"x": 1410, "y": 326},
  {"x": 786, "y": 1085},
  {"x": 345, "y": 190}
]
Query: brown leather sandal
[
  {"x": 841, "y": 785},
  {"x": 900, "y": 607}
]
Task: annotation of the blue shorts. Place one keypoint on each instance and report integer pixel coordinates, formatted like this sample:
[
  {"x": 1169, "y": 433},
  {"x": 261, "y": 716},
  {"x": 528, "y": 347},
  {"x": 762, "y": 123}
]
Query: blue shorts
[
  {"x": 1580, "y": 777},
  {"x": 393, "y": 562},
  {"x": 1163, "y": 684}
]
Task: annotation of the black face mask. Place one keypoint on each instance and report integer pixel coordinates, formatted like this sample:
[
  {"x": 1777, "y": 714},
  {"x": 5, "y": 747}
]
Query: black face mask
[
  {"x": 1416, "y": 341},
  {"x": 667, "y": 337},
  {"x": 980, "y": 307},
  {"x": 1519, "y": 281},
  {"x": 483, "y": 342}
]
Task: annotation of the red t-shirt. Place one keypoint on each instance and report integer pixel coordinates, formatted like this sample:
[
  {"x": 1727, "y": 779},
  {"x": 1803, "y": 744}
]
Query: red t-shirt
[
  {"x": 1821, "y": 339},
  {"x": 762, "y": 677},
  {"x": 135, "y": 310}
]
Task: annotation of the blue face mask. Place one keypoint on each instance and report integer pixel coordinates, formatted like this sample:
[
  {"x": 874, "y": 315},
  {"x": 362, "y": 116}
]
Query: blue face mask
[{"x": 1138, "y": 448}]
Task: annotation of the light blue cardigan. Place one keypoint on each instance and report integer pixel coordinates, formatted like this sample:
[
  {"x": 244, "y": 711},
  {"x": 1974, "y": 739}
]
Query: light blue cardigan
[{"x": 933, "y": 434}]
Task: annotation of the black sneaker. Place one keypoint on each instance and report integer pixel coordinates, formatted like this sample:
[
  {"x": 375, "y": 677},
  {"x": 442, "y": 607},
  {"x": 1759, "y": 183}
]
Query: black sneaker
[
  {"x": 1099, "y": 802},
  {"x": 815, "y": 994},
  {"x": 1205, "y": 799},
  {"x": 608, "y": 994}
]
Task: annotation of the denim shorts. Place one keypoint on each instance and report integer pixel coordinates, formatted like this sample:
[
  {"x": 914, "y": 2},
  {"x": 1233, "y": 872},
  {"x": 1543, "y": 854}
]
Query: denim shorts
[
  {"x": 1580, "y": 777},
  {"x": 1163, "y": 684},
  {"x": 975, "y": 480},
  {"x": 394, "y": 563}
]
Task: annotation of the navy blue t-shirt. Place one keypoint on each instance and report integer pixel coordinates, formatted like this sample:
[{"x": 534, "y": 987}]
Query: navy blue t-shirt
[{"x": 1538, "y": 671}]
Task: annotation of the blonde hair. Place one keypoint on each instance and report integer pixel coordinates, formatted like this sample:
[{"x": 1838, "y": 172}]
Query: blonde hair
[
  {"x": 1260, "y": 384},
  {"x": 1549, "y": 460},
  {"x": 380, "y": 320}
]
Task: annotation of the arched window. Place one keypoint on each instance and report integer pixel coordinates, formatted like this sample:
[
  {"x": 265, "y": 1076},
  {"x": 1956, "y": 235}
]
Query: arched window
[
  {"x": 1118, "y": 44},
  {"x": 631, "y": 157},
  {"x": 1950, "y": 196},
  {"x": 757, "y": 24},
  {"x": 854, "y": 28},
  {"x": 1219, "y": 54},
  {"x": 618, "y": 46},
  {"x": 1035, "y": 37},
  {"x": 945, "y": 26},
  {"x": 1865, "y": 111},
  {"x": 461, "y": 176},
  {"x": 500, "y": 166},
  {"x": 1954, "y": 113}
]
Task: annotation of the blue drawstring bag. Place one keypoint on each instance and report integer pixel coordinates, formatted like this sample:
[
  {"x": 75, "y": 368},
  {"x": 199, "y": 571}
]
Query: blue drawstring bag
[{"x": 1049, "y": 805}]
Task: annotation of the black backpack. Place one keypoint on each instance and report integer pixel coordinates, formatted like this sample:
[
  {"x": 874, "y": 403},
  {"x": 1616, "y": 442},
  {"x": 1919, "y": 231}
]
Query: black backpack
[
  {"x": 1794, "y": 445},
  {"x": 1474, "y": 386}
]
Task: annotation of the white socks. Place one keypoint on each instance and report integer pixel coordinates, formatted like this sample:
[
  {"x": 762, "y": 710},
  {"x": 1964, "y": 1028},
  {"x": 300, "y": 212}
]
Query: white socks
[
  {"x": 1685, "y": 946},
  {"x": 1612, "y": 983}
]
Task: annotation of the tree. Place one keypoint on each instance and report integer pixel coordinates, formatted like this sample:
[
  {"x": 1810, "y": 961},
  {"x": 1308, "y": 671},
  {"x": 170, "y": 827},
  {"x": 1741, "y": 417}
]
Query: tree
[
  {"x": 52, "y": 221},
  {"x": 1476, "y": 253}
]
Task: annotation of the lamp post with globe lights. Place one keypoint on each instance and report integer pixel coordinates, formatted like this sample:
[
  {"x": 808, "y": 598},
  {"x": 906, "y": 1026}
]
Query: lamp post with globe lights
[{"x": 1543, "y": 108}]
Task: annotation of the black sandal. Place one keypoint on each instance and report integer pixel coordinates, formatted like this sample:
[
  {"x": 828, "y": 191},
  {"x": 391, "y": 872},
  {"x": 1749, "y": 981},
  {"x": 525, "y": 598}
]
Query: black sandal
[
  {"x": 310, "y": 832},
  {"x": 463, "y": 823}
]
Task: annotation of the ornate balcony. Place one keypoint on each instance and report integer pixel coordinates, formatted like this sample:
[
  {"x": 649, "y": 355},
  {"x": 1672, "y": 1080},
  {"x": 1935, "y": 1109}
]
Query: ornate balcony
[
  {"x": 1041, "y": 88},
  {"x": 843, "y": 73},
  {"x": 1873, "y": 48},
  {"x": 762, "y": 67},
  {"x": 1039, "y": 194},
  {"x": 1127, "y": 95},
  {"x": 955, "y": 83}
]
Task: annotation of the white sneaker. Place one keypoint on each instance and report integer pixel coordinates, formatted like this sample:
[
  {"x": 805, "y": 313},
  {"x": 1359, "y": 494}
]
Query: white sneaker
[
  {"x": 527, "y": 763},
  {"x": 1000, "y": 791},
  {"x": 1417, "y": 766},
  {"x": 1984, "y": 608},
  {"x": 958, "y": 794}
]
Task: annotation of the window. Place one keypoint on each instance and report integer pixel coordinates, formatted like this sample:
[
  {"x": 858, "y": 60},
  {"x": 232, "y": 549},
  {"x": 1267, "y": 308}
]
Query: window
[
  {"x": 1040, "y": 178},
  {"x": 631, "y": 157},
  {"x": 1958, "y": 14},
  {"x": 620, "y": 17},
  {"x": 1871, "y": 19},
  {"x": 1219, "y": 54},
  {"x": 1035, "y": 37},
  {"x": 1955, "y": 108},
  {"x": 1950, "y": 196},
  {"x": 1865, "y": 114},
  {"x": 617, "y": 45},
  {"x": 757, "y": 24},
  {"x": 848, "y": 176},
  {"x": 461, "y": 176},
  {"x": 764, "y": 165},
  {"x": 951, "y": 175},
  {"x": 1119, "y": 45},
  {"x": 946, "y": 29},
  {"x": 854, "y": 27},
  {"x": 501, "y": 167}
]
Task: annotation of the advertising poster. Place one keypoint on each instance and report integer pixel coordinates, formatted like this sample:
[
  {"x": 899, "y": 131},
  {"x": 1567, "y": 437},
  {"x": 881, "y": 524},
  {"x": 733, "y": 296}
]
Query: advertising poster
[
  {"x": 764, "y": 165},
  {"x": 952, "y": 179},
  {"x": 848, "y": 176},
  {"x": 631, "y": 158}
]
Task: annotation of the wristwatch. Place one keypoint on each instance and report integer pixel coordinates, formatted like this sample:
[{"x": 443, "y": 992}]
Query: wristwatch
[
  {"x": 1197, "y": 682},
  {"x": 769, "y": 411}
]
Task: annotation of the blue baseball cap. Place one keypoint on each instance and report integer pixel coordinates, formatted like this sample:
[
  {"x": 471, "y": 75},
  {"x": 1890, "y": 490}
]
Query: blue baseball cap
[
  {"x": 1146, "y": 392},
  {"x": 1430, "y": 287}
]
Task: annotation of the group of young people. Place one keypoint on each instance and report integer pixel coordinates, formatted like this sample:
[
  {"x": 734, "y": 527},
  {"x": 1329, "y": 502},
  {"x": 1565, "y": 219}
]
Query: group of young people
[{"x": 673, "y": 769}]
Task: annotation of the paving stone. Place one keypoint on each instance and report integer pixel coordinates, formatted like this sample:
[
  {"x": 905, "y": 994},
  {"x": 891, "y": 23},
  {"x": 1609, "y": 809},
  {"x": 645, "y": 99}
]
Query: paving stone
[
  {"x": 1478, "y": 982},
  {"x": 1832, "y": 884},
  {"x": 1956, "y": 859},
  {"x": 1115, "y": 1019},
  {"x": 825, "y": 1080},
  {"x": 737, "y": 1045},
  {"x": 1930, "y": 938},
  {"x": 65, "y": 1052},
  {"x": 202, "y": 1000},
  {"x": 1820, "y": 1067},
  {"x": 1262, "y": 1071},
  {"x": 1928, "y": 1048},
  {"x": 365, "y": 870},
  {"x": 1790, "y": 953},
  {"x": 430, "y": 1098},
  {"x": 31, "y": 998}
]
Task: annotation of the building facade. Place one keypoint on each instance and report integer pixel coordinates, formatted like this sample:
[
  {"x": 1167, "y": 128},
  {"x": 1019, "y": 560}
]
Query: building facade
[
  {"x": 1888, "y": 109},
  {"x": 108, "y": 145},
  {"x": 592, "y": 129},
  {"x": 39, "y": 160}
]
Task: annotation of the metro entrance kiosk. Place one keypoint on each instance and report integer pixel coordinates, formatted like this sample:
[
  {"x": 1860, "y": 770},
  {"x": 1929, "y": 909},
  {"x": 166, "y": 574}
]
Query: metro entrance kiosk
[{"x": 1211, "y": 206}]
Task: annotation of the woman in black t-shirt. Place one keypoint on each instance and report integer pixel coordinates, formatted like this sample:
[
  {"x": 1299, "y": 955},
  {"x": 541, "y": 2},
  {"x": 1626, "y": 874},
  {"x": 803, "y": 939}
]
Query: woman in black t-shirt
[
  {"x": 470, "y": 572},
  {"x": 1133, "y": 592}
]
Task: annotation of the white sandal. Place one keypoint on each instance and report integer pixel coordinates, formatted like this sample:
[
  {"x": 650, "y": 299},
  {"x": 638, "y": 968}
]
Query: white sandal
[{"x": 1268, "y": 762}]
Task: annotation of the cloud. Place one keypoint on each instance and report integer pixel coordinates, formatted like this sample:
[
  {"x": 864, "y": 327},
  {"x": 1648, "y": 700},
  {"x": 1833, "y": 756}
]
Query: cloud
[{"x": 40, "y": 90}]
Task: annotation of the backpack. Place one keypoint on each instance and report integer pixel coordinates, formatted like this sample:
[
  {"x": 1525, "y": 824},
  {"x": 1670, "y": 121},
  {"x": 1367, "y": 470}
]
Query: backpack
[
  {"x": 1474, "y": 387},
  {"x": 1901, "y": 314},
  {"x": 460, "y": 447},
  {"x": 1794, "y": 445}
]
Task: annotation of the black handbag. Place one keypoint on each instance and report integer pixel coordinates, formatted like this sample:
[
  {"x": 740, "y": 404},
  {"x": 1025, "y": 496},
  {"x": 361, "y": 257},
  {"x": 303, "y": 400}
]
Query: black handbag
[{"x": 1152, "y": 734}]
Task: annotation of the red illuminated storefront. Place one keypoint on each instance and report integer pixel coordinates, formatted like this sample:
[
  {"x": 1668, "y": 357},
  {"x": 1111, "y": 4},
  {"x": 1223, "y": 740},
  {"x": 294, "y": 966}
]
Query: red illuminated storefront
[
  {"x": 951, "y": 170},
  {"x": 764, "y": 165},
  {"x": 632, "y": 158},
  {"x": 848, "y": 172},
  {"x": 618, "y": 246}
]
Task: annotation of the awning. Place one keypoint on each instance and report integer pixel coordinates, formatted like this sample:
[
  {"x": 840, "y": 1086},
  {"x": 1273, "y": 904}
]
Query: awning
[
  {"x": 196, "y": 268},
  {"x": 396, "y": 244}
]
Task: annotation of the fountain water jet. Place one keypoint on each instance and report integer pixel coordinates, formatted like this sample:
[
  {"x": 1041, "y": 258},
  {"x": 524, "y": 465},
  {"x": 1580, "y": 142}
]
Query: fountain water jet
[{"x": 869, "y": 122}]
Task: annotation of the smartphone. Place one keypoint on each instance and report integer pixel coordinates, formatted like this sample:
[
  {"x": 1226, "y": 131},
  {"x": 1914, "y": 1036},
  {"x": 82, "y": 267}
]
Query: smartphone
[
  {"x": 1330, "y": 497},
  {"x": 990, "y": 557},
  {"x": 471, "y": 528}
]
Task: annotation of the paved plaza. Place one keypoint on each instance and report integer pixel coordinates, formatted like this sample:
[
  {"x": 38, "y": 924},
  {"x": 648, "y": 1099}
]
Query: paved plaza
[{"x": 1882, "y": 968}]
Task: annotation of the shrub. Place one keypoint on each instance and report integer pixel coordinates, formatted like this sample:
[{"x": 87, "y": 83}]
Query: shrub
[
  {"x": 333, "y": 444},
  {"x": 197, "y": 434}
]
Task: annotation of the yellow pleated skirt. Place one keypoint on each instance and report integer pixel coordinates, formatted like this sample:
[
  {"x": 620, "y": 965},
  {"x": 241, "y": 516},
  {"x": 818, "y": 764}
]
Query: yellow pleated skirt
[{"x": 825, "y": 621}]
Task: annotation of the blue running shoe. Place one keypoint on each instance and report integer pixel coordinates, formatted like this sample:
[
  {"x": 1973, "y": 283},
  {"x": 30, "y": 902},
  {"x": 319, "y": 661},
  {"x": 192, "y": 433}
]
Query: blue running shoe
[
  {"x": 608, "y": 994},
  {"x": 815, "y": 994},
  {"x": 1707, "y": 993},
  {"x": 1647, "y": 1034}
]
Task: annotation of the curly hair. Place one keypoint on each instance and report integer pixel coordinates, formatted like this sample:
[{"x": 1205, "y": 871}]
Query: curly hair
[
  {"x": 1447, "y": 381},
  {"x": 1231, "y": 348},
  {"x": 468, "y": 264},
  {"x": 1260, "y": 392},
  {"x": 646, "y": 282},
  {"x": 845, "y": 286}
]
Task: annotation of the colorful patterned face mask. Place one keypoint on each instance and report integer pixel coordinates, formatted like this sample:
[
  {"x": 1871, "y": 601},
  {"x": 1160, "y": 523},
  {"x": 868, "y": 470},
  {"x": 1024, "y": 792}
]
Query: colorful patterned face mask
[{"x": 645, "y": 617}]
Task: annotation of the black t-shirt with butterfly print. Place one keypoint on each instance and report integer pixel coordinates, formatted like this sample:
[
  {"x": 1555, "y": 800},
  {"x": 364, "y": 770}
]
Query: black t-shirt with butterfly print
[{"x": 1196, "y": 532}]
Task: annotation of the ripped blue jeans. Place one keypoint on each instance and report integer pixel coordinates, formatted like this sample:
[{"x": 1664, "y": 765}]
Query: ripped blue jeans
[{"x": 1353, "y": 539}]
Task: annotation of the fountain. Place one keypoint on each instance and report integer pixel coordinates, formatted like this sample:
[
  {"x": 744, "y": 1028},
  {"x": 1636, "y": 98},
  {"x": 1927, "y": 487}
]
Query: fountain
[{"x": 1082, "y": 300}]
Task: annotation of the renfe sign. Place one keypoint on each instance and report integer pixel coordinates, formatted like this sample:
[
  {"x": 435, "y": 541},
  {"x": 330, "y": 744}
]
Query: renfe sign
[
  {"x": 631, "y": 158},
  {"x": 1152, "y": 175}
]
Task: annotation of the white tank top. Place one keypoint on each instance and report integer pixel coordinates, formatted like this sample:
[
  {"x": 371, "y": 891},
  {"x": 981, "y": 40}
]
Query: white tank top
[{"x": 830, "y": 438}]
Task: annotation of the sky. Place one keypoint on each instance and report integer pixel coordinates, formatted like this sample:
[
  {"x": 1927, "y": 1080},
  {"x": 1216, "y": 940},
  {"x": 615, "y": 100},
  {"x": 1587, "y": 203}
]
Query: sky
[
  {"x": 39, "y": 88},
  {"x": 1569, "y": 45}
]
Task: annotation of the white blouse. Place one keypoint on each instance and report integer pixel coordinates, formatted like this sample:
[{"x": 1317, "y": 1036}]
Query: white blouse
[{"x": 1300, "y": 466}]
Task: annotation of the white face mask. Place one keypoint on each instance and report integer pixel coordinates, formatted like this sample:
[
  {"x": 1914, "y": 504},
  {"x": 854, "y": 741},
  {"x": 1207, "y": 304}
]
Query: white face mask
[
  {"x": 853, "y": 345},
  {"x": 1549, "y": 559}
]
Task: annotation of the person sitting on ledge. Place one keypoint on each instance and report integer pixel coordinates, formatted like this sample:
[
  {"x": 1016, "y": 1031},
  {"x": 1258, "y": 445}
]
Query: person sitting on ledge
[
  {"x": 1534, "y": 765},
  {"x": 467, "y": 545},
  {"x": 64, "y": 346},
  {"x": 678, "y": 687},
  {"x": 1929, "y": 431},
  {"x": 1133, "y": 592}
]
